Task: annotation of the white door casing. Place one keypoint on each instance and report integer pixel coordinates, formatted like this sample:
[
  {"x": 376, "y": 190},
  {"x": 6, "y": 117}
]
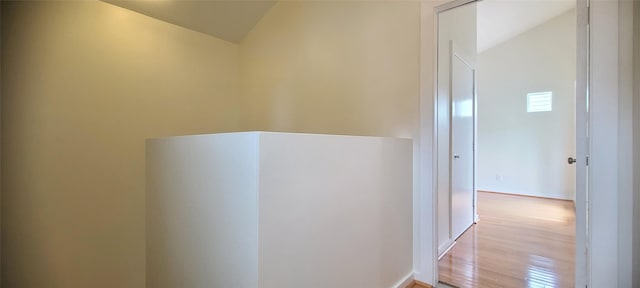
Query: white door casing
[
  {"x": 427, "y": 239},
  {"x": 582, "y": 143}
]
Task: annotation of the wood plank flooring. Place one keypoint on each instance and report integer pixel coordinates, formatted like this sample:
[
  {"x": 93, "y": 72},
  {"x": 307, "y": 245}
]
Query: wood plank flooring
[
  {"x": 417, "y": 284},
  {"x": 519, "y": 242}
]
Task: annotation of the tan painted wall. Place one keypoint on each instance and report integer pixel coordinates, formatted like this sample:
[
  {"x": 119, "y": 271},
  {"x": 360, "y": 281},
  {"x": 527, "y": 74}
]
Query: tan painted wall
[
  {"x": 90, "y": 81},
  {"x": 341, "y": 67},
  {"x": 83, "y": 84}
]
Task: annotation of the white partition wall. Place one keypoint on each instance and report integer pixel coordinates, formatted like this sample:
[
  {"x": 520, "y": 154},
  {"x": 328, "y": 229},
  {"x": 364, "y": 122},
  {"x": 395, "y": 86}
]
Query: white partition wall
[
  {"x": 259, "y": 209},
  {"x": 202, "y": 211}
]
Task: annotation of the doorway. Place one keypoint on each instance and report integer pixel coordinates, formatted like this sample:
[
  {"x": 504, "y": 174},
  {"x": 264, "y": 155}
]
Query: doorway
[{"x": 535, "y": 105}]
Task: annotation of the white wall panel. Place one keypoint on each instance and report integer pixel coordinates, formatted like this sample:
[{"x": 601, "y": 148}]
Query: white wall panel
[
  {"x": 202, "y": 211},
  {"x": 275, "y": 210}
]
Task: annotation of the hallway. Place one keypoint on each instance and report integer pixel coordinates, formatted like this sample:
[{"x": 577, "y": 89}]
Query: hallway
[{"x": 519, "y": 241}]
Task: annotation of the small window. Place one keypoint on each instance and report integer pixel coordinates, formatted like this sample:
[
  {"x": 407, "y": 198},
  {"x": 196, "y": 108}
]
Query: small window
[{"x": 539, "y": 101}]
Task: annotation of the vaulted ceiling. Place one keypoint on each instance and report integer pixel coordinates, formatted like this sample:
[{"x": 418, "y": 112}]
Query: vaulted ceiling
[
  {"x": 229, "y": 20},
  {"x": 500, "y": 20}
]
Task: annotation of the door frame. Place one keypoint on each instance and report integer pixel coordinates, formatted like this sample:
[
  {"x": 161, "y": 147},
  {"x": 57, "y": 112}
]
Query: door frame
[{"x": 426, "y": 232}]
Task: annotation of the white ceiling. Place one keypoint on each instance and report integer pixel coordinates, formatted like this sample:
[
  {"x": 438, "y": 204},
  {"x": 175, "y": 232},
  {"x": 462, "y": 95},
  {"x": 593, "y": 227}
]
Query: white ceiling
[
  {"x": 500, "y": 20},
  {"x": 229, "y": 20}
]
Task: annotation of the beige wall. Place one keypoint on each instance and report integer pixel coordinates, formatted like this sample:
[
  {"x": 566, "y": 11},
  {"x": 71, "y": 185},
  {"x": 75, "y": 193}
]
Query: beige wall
[
  {"x": 83, "y": 84},
  {"x": 90, "y": 81},
  {"x": 343, "y": 67}
]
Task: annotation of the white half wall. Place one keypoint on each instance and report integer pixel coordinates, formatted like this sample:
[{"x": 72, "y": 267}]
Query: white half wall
[
  {"x": 202, "y": 211},
  {"x": 335, "y": 211},
  {"x": 273, "y": 210},
  {"x": 524, "y": 152}
]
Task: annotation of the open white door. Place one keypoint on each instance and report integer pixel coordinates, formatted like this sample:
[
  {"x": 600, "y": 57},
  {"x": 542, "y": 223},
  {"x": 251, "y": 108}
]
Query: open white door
[
  {"x": 459, "y": 24},
  {"x": 454, "y": 106},
  {"x": 462, "y": 139}
]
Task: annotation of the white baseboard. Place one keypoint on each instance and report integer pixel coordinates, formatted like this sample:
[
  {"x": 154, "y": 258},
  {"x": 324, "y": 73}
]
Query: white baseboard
[
  {"x": 453, "y": 243},
  {"x": 404, "y": 283},
  {"x": 554, "y": 197},
  {"x": 445, "y": 247},
  {"x": 420, "y": 277}
]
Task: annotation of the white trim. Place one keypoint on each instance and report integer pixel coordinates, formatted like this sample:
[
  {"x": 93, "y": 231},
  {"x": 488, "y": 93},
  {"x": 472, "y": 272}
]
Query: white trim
[
  {"x": 425, "y": 243},
  {"x": 445, "y": 246},
  {"x": 582, "y": 147},
  {"x": 450, "y": 245},
  {"x": 425, "y": 226},
  {"x": 625, "y": 144},
  {"x": 404, "y": 283},
  {"x": 604, "y": 185},
  {"x": 451, "y": 5}
]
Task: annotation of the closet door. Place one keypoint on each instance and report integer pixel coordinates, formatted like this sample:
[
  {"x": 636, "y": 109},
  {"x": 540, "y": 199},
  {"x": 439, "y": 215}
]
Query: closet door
[{"x": 462, "y": 138}]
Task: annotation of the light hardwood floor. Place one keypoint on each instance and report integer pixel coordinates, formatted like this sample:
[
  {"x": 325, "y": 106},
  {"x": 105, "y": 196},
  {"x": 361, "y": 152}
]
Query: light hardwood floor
[
  {"x": 417, "y": 284},
  {"x": 519, "y": 242}
]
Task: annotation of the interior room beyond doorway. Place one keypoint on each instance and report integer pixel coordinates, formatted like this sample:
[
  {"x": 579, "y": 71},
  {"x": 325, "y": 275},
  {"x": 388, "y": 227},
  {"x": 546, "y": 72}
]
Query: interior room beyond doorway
[{"x": 525, "y": 123}]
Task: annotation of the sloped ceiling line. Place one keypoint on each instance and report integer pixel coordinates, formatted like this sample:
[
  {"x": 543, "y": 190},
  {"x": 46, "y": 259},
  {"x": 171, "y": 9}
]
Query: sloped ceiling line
[
  {"x": 501, "y": 20},
  {"x": 229, "y": 20}
]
